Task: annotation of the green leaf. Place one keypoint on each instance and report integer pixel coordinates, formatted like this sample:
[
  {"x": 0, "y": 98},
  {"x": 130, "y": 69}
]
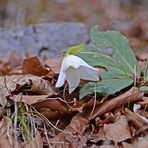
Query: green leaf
[
  {"x": 146, "y": 72},
  {"x": 94, "y": 58},
  {"x": 75, "y": 49},
  {"x": 123, "y": 54},
  {"x": 109, "y": 86}
]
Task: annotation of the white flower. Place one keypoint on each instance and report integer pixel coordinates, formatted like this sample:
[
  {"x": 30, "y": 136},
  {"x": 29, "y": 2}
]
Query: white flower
[{"x": 73, "y": 69}]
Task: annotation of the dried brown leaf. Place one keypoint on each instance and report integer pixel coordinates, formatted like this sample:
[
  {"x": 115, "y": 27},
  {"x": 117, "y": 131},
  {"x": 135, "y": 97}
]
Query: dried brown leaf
[
  {"x": 53, "y": 104},
  {"x": 54, "y": 63},
  {"x": 29, "y": 99},
  {"x": 132, "y": 117},
  {"x": 99, "y": 136},
  {"x": 130, "y": 96},
  {"x": 72, "y": 136},
  {"x": 42, "y": 101},
  {"x": 41, "y": 86},
  {"x": 33, "y": 65},
  {"x": 109, "y": 117},
  {"x": 51, "y": 115},
  {"x": 118, "y": 131},
  {"x": 144, "y": 102}
]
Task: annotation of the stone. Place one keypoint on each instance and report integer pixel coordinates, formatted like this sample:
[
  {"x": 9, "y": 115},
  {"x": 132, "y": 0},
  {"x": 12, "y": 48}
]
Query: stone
[{"x": 54, "y": 37}]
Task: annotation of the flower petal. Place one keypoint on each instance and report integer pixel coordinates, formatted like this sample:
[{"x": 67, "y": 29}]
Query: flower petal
[
  {"x": 87, "y": 73},
  {"x": 73, "y": 80},
  {"x": 61, "y": 79}
]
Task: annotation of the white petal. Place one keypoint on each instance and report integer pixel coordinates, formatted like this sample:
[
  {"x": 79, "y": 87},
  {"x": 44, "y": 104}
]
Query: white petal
[
  {"x": 73, "y": 80},
  {"x": 87, "y": 73},
  {"x": 61, "y": 79},
  {"x": 72, "y": 61}
]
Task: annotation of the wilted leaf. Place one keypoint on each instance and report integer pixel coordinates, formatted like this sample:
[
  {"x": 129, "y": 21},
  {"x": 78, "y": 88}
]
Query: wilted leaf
[
  {"x": 118, "y": 131},
  {"x": 34, "y": 66}
]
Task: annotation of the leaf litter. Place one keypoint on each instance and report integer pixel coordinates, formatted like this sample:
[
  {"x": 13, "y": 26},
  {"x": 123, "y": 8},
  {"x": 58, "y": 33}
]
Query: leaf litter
[{"x": 34, "y": 113}]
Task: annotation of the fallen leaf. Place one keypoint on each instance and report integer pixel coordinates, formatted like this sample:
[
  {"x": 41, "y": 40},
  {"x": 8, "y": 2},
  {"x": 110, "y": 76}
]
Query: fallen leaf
[
  {"x": 42, "y": 101},
  {"x": 132, "y": 117},
  {"x": 118, "y": 131},
  {"x": 51, "y": 115},
  {"x": 144, "y": 102},
  {"x": 130, "y": 96},
  {"x": 28, "y": 99},
  {"x": 109, "y": 117},
  {"x": 99, "y": 136},
  {"x": 72, "y": 135},
  {"x": 33, "y": 65},
  {"x": 41, "y": 86},
  {"x": 54, "y": 63}
]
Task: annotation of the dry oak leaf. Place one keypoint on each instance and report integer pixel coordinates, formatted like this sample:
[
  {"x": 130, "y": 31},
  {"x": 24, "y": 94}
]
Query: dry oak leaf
[
  {"x": 42, "y": 101},
  {"x": 73, "y": 134},
  {"x": 33, "y": 65},
  {"x": 54, "y": 63},
  {"x": 118, "y": 131}
]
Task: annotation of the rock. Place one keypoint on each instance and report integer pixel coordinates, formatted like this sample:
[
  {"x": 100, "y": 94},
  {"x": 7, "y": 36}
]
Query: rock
[{"x": 55, "y": 37}]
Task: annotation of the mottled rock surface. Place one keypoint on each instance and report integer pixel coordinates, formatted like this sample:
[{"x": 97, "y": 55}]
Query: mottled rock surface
[{"x": 54, "y": 37}]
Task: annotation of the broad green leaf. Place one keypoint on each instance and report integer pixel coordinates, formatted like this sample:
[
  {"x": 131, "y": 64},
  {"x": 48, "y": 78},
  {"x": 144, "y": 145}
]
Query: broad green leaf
[
  {"x": 94, "y": 58},
  {"x": 75, "y": 49},
  {"x": 146, "y": 72},
  {"x": 109, "y": 86},
  {"x": 123, "y": 54}
]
